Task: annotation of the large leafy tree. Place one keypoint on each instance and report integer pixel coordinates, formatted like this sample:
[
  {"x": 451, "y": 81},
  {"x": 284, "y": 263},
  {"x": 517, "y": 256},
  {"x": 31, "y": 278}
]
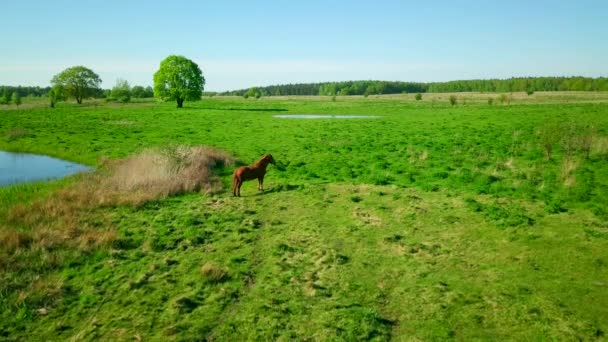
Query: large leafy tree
[
  {"x": 178, "y": 79},
  {"x": 78, "y": 82}
]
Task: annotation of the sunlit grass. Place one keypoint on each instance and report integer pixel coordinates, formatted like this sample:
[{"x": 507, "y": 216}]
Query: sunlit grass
[{"x": 432, "y": 222}]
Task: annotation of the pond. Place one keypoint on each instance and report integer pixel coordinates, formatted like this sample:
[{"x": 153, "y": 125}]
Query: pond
[
  {"x": 323, "y": 116},
  {"x": 22, "y": 167}
]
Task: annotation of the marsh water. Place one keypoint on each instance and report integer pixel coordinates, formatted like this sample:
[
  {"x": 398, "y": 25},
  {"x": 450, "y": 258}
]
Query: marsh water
[
  {"x": 22, "y": 167},
  {"x": 323, "y": 116}
]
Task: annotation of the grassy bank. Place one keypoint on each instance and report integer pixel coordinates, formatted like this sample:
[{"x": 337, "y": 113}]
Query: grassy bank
[{"x": 431, "y": 222}]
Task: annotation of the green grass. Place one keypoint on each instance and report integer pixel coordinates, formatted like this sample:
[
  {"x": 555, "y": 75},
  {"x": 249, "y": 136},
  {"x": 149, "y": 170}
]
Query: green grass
[{"x": 433, "y": 222}]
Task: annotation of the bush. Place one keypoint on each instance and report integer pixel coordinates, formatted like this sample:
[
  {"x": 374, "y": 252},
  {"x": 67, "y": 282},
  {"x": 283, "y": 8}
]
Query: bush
[
  {"x": 253, "y": 92},
  {"x": 6, "y": 97},
  {"x": 138, "y": 92},
  {"x": 529, "y": 92},
  {"x": 504, "y": 98},
  {"x": 453, "y": 100},
  {"x": 549, "y": 135},
  {"x": 490, "y": 101},
  {"x": 418, "y": 97},
  {"x": 16, "y": 98},
  {"x": 56, "y": 94},
  {"x": 121, "y": 91}
]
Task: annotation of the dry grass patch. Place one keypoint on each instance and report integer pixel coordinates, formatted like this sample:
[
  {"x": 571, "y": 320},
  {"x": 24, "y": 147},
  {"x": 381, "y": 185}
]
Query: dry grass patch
[
  {"x": 214, "y": 273},
  {"x": 17, "y": 133},
  {"x": 600, "y": 146},
  {"x": 569, "y": 167},
  {"x": 158, "y": 173}
]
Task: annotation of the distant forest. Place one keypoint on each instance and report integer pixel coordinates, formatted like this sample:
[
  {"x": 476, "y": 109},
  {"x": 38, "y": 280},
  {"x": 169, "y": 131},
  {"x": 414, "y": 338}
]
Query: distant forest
[{"x": 529, "y": 84}]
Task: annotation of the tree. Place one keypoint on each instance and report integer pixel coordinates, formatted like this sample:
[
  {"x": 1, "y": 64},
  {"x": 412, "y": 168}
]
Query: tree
[
  {"x": 16, "y": 98},
  {"x": 56, "y": 94},
  {"x": 121, "y": 91},
  {"x": 179, "y": 79},
  {"x": 78, "y": 82},
  {"x": 418, "y": 97},
  {"x": 253, "y": 92},
  {"x": 138, "y": 92},
  {"x": 149, "y": 92}
]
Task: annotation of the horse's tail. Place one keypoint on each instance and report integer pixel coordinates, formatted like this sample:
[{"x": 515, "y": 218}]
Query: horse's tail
[{"x": 234, "y": 182}]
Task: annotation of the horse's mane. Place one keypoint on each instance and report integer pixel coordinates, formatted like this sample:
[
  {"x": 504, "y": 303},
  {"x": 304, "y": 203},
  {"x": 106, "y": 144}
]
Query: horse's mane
[{"x": 259, "y": 162}]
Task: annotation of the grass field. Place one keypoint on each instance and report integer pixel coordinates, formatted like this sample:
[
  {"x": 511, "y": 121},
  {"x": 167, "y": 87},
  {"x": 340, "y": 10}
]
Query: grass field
[{"x": 432, "y": 222}]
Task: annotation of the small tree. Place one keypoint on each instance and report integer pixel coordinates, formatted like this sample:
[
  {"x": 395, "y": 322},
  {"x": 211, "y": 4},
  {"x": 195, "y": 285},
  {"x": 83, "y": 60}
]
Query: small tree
[
  {"x": 78, "y": 82},
  {"x": 56, "y": 94},
  {"x": 149, "y": 92},
  {"x": 16, "y": 98},
  {"x": 179, "y": 79},
  {"x": 418, "y": 97},
  {"x": 530, "y": 91},
  {"x": 453, "y": 100},
  {"x": 121, "y": 91},
  {"x": 138, "y": 92},
  {"x": 253, "y": 92},
  {"x": 490, "y": 101}
]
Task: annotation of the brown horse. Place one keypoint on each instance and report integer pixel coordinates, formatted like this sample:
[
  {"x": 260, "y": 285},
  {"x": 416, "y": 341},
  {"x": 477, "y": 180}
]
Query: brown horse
[{"x": 257, "y": 170}]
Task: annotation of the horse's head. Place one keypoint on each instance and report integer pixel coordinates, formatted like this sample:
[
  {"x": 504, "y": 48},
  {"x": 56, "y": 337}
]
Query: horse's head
[{"x": 269, "y": 159}]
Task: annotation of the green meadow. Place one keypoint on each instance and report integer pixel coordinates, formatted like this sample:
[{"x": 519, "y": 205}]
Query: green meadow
[{"x": 431, "y": 222}]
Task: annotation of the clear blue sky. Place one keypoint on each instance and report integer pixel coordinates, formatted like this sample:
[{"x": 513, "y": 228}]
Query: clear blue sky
[{"x": 240, "y": 44}]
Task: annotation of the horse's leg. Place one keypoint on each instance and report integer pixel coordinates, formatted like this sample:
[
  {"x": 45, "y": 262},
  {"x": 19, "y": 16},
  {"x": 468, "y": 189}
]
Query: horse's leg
[
  {"x": 259, "y": 183},
  {"x": 234, "y": 185},
  {"x": 262, "y": 183},
  {"x": 238, "y": 187}
]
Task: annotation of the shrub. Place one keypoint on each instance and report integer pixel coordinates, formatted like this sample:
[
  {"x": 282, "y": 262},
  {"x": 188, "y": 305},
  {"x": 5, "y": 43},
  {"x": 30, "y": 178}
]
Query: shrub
[
  {"x": 549, "y": 136},
  {"x": 418, "y": 97},
  {"x": 56, "y": 94},
  {"x": 504, "y": 98},
  {"x": 6, "y": 97},
  {"x": 16, "y": 98},
  {"x": 529, "y": 92},
  {"x": 214, "y": 273},
  {"x": 453, "y": 100},
  {"x": 121, "y": 91},
  {"x": 490, "y": 101},
  {"x": 138, "y": 92}
]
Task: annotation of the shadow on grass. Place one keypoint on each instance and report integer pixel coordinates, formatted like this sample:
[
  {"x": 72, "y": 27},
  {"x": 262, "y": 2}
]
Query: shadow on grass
[
  {"x": 275, "y": 189},
  {"x": 249, "y": 109}
]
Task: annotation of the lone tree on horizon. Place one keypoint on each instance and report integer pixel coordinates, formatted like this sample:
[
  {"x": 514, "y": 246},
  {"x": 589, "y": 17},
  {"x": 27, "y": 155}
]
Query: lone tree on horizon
[
  {"x": 78, "y": 82},
  {"x": 178, "y": 79}
]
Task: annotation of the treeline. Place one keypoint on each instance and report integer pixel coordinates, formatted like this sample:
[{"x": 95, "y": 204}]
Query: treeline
[
  {"x": 522, "y": 84},
  {"x": 527, "y": 84},
  {"x": 25, "y": 91},
  {"x": 122, "y": 92},
  {"x": 334, "y": 88}
]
